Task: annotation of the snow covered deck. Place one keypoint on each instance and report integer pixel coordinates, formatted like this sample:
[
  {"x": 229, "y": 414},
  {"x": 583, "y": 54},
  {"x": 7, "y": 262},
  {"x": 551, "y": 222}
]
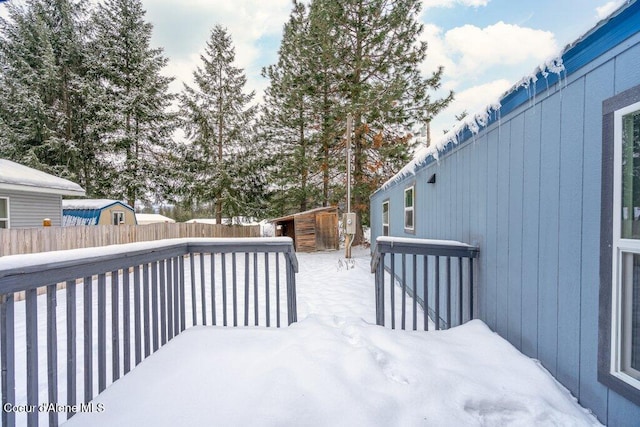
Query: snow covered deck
[{"x": 335, "y": 367}]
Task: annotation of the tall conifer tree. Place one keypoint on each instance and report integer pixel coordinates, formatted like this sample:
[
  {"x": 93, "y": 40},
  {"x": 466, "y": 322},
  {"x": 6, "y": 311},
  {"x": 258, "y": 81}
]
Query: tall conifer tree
[
  {"x": 47, "y": 113},
  {"x": 381, "y": 85},
  {"x": 287, "y": 118},
  {"x": 217, "y": 117},
  {"x": 138, "y": 127}
]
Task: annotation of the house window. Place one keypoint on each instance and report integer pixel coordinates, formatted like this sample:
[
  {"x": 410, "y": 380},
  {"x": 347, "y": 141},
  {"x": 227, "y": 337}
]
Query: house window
[
  {"x": 4, "y": 212},
  {"x": 409, "y": 217},
  {"x": 385, "y": 218},
  {"x": 619, "y": 310},
  {"x": 625, "y": 297},
  {"x": 117, "y": 217}
]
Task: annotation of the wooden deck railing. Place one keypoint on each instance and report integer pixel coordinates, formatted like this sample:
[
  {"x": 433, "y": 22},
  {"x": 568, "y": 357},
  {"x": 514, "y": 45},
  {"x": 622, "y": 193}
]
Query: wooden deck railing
[
  {"x": 128, "y": 300},
  {"x": 445, "y": 298}
]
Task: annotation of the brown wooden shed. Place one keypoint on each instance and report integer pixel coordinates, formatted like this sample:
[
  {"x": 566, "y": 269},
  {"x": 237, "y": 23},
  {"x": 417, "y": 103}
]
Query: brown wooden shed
[{"x": 313, "y": 230}]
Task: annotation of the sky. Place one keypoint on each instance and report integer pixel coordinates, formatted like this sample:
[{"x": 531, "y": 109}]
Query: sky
[{"x": 485, "y": 46}]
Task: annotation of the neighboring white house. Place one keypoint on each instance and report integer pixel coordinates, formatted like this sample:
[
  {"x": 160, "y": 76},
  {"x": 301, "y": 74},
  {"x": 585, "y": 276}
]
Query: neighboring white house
[
  {"x": 144, "y": 219},
  {"x": 28, "y": 196}
]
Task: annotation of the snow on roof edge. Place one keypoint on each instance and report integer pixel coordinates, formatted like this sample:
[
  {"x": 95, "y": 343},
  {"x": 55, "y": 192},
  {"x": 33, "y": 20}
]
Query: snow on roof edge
[
  {"x": 15, "y": 176},
  {"x": 91, "y": 204},
  {"x": 474, "y": 123}
]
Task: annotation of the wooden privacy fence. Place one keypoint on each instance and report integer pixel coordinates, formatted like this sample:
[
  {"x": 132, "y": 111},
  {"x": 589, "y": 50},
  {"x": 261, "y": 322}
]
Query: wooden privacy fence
[{"x": 31, "y": 240}]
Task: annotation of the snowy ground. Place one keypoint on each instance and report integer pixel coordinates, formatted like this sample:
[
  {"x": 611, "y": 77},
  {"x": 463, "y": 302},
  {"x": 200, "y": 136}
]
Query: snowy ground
[{"x": 335, "y": 367}]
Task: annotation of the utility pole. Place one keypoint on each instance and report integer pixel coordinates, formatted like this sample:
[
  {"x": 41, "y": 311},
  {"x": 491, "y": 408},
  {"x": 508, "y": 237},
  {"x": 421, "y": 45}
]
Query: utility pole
[{"x": 349, "y": 218}]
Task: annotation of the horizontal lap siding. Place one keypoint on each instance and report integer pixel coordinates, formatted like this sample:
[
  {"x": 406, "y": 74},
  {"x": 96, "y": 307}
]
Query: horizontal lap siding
[{"x": 30, "y": 209}]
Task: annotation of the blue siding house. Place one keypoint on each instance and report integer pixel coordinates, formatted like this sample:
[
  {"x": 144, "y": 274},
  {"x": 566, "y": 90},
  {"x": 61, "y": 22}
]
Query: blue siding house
[{"x": 547, "y": 185}]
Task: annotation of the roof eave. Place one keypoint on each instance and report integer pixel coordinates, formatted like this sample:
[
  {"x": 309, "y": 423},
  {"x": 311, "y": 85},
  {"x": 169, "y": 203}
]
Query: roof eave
[{"x": 46, "y": 190}]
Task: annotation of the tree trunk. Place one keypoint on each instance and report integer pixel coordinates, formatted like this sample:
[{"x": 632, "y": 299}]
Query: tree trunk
[{"x": 304, "y": 172}]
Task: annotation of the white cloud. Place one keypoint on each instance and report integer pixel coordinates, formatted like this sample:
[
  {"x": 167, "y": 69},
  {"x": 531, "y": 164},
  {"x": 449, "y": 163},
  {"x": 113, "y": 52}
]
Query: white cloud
[
  {"x": 606, "y": 9},
  {"x": 469, "y": 50},
  {"x": 183, "y": 28},
  {"x": 451, "y": 3},
  {"x": 500, "y": 44}
]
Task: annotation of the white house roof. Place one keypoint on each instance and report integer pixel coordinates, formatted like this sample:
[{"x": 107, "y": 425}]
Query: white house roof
[
  {"x": 14, "y": 176},
  {"x": 152, "y": 218},
  {"x": 207, "y": 221},
  {"x": 91, "y": 204}
]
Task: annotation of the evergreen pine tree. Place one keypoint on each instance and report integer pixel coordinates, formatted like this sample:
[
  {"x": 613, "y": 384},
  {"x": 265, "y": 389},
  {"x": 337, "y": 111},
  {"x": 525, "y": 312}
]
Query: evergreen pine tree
[
  {"x": 47, "y": 114},
  {"x": 287, "y": 118},
  {"x": 381, "y": 85},
  {"x": 137, "y": 125},
  {"x": 218, "y": 119}
]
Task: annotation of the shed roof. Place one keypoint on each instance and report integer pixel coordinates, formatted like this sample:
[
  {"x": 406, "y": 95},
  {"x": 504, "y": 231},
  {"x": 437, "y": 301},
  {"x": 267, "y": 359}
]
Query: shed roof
[
  {"x": 310, "y": 211},
  {"x": 86, "y": 211},
  {"x": 14, "y": 176},
  {"x": 92, "y": 204},
  {"x": 144, "y": 218}
]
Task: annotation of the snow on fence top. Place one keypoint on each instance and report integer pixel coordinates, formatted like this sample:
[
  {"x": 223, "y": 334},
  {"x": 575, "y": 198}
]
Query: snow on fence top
[{"x": 553, "y": 70}]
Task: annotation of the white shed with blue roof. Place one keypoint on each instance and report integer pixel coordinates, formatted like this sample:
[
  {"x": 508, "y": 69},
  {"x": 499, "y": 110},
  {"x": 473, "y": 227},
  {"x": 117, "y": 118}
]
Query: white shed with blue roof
[{"x": 97, "y": 212}]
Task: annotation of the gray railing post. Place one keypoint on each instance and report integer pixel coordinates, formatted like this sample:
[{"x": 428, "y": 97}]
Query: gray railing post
[
  {"x": 102, "y": 332},
  {"x": 266, "y": 288},
  {"x": 234, "y": 294},
  {"x": 7, "y": 353},
  {"x": 437, "y": 293},
  {"x": 246, "y": 289},
  {"x": 202, "y": 290},
  {"x": 277, "y": 289},
  {"x": 115, "y": 325},
  {"x": 256, "y": 310},
  {"x": 425, "y": 248},
  {"x": 52, "y": 352},
  {"x": 380, "y": 292},
  {"x": 88, "y": 339},
  {"x": 183, "y": 301},
  {"x": 137, "y": 322},
  {"x": 152, "y": 311},
  {"x": 291, "y": 292},
  {"x": 71, "y": 344}
]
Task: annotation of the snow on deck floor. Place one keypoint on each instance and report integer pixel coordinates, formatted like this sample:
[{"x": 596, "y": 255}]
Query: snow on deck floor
[{"x": 335, "y": 367}]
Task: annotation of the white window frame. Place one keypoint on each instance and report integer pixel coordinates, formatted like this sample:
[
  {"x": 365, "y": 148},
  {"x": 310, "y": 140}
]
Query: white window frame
[
  {"x": 385, "y": 224},
  {"x": 120, "y": 215},
  {"x": 8, "y": 218},
  {"x": 411, "y": 208},
  {"x": 620, "y": 247}
]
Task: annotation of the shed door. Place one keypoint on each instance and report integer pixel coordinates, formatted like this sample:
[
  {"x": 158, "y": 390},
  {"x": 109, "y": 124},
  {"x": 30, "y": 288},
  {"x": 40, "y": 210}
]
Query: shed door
[{"x": 326, "y": 231}]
